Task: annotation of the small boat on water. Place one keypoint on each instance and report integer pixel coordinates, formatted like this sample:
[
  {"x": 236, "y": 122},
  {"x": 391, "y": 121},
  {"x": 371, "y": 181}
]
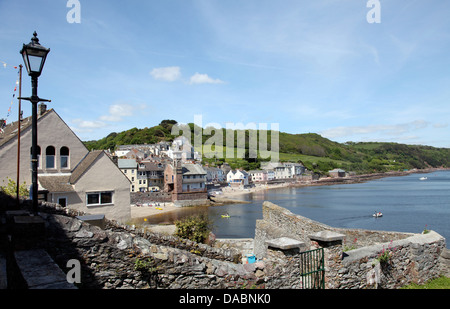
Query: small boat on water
[
  {"x": 423, "y": 178},
  {"x": 377, "y": 214},
  {"x": 226, "y": 216}
]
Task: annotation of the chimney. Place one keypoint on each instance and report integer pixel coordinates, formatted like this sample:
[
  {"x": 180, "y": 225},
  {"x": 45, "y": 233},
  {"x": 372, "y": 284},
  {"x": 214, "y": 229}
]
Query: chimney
[{"x": 42, "y": 108}]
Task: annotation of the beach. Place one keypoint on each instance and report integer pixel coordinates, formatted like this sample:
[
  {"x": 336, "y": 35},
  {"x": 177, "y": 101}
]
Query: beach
[{"x": 146, "y": 211}]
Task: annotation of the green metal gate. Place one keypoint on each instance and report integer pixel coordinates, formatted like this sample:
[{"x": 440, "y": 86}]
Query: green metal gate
[{"x": 312, "y": 269}]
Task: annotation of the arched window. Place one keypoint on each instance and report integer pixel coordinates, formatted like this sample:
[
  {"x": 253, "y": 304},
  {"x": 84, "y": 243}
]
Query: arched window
[
  {"x": 50, "y": 157},
  {"x": 38, "y": 156},
  {"x": 64, "y": 157}
]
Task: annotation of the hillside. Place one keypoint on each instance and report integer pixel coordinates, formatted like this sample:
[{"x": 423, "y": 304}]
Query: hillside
[{"x": 317, "y": 153}]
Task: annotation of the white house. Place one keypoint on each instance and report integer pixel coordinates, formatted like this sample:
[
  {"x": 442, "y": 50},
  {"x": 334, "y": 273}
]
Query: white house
[
  {"x": 182, "y": 146},
  {"x": 237, "y": 177}
]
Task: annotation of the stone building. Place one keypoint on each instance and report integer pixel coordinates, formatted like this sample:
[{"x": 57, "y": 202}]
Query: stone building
[{"x": 67, "y": 172}]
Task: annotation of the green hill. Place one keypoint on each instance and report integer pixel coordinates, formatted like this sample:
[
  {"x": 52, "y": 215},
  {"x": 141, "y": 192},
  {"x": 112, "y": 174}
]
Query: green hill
[{"x": 317, "y": 153}]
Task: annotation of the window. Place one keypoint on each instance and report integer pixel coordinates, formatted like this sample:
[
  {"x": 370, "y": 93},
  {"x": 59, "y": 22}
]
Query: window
[
  {"x": 99, "y": 198},
  {"x": 50, "y": 157},
  {"x": 62, "y": 201},
  {"x": 64, "y": 157}
]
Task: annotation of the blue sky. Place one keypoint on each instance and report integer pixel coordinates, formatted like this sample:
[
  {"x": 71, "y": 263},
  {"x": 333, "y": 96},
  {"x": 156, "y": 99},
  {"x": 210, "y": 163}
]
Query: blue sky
[{"x": 310, "y": 66}]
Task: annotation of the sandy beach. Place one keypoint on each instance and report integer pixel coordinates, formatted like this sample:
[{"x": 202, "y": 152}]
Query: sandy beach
[{"x": 146, "y": 211}]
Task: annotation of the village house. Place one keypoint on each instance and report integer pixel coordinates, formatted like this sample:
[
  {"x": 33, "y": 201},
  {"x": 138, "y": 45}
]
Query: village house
[
  {"x": 279, "y": 169},
  {"x": 337, "y": 172},
  {"x": 182, "y": 146},
  {"x": 95, "y": 186},
  {"x": 214, "y": 174},
  {"x": 151, "y": 175},
  {"x": 285, "y": 170},
  {"x": 129, "y": 169},
  {"x": 185, "y": 181},
  {"x": 296, "y": 169},
  {"x": 67, "y": 172},
  {"x": 237, "y": 178},
  {"x": 258, "y": 176}
]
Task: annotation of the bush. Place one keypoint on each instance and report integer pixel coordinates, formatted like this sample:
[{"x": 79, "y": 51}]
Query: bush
[
  {"x": 195, "y": 228},
  {"x": 11, "y": 189}
]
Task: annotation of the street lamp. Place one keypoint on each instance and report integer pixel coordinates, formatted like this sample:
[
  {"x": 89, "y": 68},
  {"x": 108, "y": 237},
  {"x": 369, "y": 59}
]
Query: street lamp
[{"x": 34, "y": 55}]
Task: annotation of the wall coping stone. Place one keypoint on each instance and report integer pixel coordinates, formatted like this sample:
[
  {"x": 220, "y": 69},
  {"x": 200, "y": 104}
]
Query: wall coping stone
[
  {"x": 40, "y": 271},
  {"x": 326, "y": 236},
  {"x": 420, "y": 239},
  {"x": 285, "y": 243}
]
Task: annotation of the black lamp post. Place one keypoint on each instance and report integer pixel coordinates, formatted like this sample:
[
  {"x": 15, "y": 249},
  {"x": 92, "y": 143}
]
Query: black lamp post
[{"x": 34, "y": 55}]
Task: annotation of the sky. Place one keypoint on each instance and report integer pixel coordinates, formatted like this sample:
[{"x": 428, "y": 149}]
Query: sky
[{"x": 309, "y": 66}]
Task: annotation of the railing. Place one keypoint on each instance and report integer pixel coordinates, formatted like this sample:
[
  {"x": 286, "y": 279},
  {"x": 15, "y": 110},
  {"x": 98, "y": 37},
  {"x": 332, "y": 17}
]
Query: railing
[{"x": 312, "y": 269}]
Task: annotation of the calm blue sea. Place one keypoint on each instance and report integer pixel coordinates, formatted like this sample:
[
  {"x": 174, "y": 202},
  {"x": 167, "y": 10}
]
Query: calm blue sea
[{"x": 407, "y": 203}]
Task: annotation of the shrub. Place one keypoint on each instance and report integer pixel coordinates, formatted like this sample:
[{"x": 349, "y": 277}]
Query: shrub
[
  {"x": 195, "y": 228},
  {"x": 11, "y": 188}
]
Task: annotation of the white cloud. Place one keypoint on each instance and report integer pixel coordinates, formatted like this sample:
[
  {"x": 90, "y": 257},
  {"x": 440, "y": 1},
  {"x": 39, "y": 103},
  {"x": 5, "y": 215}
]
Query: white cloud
[
  {"x": 87, "y": 125},
  {"x": 169, "y": 74},
  {"x": 117, "y": 111},
  {"x": 198, "y": 78},
  {"x": 440, "y": 125}
]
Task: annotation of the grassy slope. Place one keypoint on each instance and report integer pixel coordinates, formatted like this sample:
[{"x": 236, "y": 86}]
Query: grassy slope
[{"x": 314, "y": 151}]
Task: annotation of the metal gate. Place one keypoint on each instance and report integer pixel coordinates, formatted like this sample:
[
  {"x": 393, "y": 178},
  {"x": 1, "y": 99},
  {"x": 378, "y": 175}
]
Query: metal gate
[{"x": 312, "y": 269}]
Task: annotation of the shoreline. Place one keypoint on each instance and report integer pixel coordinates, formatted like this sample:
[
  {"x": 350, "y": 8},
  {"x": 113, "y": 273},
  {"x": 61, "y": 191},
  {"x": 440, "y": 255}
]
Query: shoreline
[
  {"x": 331, "y": 181},
  {"x": 227, "y": 197}
]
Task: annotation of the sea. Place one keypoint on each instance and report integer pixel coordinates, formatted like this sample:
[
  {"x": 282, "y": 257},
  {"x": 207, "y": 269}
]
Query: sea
[{"x": 408, "y": 204}]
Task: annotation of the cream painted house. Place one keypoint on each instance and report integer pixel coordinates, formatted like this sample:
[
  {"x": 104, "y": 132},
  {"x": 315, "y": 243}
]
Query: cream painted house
[{"x": 67, "y": 172}]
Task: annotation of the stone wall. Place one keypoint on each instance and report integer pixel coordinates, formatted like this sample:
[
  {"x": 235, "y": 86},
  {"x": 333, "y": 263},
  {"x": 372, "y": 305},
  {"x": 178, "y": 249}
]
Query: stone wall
[
  {"x": 413, "y": 258},
  {"x": 150, "y": 197},
  {"x": 120, "y": 256},
  {"x": 125, "y": 257},
  {"x": 278, "y": 222}
]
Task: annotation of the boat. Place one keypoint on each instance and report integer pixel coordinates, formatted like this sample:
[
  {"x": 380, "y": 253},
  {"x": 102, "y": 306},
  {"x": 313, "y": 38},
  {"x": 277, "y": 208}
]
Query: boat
[
  {"x": 225, "y": 216},
  {"x": 423, "y": 178},
  {"x": 377, "y": 214}
]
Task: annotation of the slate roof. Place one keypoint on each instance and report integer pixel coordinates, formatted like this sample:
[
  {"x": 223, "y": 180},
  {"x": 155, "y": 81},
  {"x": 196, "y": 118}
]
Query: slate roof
[
  {"x": 84, "y": 164},
  {"x": 127, "y": 163},
  {"x": 64, "y": 183},
  {"x": 11, "y": 130},
  {"x": 193, "y": 169},
  {"x": 56, "y": 183}
]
